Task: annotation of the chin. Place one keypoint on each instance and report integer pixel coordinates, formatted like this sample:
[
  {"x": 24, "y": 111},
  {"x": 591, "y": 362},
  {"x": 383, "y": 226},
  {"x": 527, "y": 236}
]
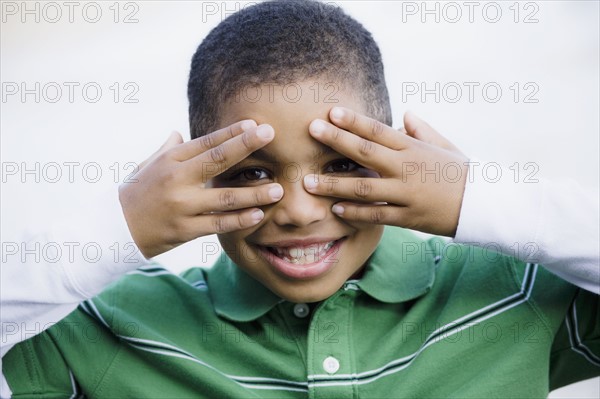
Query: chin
[{"x": 307, "y": 293}]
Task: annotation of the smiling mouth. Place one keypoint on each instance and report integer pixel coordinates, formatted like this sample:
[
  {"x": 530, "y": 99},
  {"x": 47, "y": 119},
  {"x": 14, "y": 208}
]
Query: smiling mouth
[
  {"x": 302, "y": 259},
  {"x": 303, "y": 255}
]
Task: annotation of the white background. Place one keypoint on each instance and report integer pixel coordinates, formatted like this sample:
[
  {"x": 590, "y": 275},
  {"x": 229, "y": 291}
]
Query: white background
[{"x": 554, "y": 58}]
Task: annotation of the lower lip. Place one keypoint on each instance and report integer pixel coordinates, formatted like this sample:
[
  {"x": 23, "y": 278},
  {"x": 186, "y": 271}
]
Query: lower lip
[{"x": 305, "y": 271}]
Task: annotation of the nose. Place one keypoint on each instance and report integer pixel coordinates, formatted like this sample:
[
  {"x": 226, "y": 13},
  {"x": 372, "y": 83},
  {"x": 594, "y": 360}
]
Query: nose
[{"x": 299, "y": 208}]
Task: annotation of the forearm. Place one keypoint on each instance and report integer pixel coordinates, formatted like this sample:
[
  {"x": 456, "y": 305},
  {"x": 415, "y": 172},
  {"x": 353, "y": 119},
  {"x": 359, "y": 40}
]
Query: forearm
[
  {"x": 550, "y": 223},
  {"x": 47, "y": 275}
]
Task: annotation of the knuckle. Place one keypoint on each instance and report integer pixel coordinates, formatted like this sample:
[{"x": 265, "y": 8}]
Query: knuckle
[
  {"x": 187, "y": 232},
  {"x": 353, "y": 120},
  {"x": 239, "y": 221},
  {"x": 362, "y": 188},
  {"x": 160, "y": 163},
  {"x": 230, "y": 131},
  {"x": 365, "y": 147},
  {"x": 227, "y": 199},
  {"x": 176, "y": 203},
  {"x": 172, "y": 235},
  {"x": 337, "y": 134},
  {"x": 257, "y": 197},
  {"x": 247, "y": 141},
  {"x": 166, "y": 182},
  {"x": 217, "y": 155},
  {"x": 220, "y": 225},
  {"x": 377, "y": 215},
  {"x": 177, "y": 227},
  {"x": 330, "y": 185},
  {"x": 376, "y": 128},
  {"x": 207, "y": 141},
  {"x": 169, "y": 175}
]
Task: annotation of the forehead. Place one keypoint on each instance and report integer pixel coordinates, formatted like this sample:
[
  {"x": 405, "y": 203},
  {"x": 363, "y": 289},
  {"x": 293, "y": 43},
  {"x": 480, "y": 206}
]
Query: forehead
[{"x": 290, "y": 109}]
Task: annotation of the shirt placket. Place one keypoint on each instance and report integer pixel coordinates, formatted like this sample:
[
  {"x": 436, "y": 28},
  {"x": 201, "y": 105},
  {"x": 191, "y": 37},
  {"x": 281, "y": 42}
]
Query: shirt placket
[{"x": 330, "y": 362}]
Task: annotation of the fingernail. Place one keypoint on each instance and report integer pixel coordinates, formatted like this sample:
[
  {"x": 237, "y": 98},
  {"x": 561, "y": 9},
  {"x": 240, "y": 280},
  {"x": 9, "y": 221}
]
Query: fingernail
[
  {"x": 247, "y": 124},
  {"x": 311, "y": 182},
  {"x": 318, "y": 127},
  {"x": 265, "y": 132},
  {"x": 337, "y": 113},
  {"x": 276, "y": 192},
  {"x": 337, "y": 209},
  {"x": 257, "y": 215}
]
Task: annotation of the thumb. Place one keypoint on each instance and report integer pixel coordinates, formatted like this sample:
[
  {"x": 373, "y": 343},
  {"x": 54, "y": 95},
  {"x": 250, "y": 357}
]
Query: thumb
[
  {"x": 418, "y": 128},
  {"x": 422, "y": 131},
  {"x": 173, "y": 140}
]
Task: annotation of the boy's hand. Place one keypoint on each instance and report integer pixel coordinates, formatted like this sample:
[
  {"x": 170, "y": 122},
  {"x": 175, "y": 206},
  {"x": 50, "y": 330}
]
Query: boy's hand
[
  {"x": 422, "y": 180},
  {"x": 168, "y": 202}
]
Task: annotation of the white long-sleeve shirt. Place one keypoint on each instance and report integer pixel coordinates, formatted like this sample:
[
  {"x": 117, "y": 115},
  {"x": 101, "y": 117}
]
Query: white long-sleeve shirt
[
  {"x": 46, "y": 275},
  {"x": 553, "y": 224}
]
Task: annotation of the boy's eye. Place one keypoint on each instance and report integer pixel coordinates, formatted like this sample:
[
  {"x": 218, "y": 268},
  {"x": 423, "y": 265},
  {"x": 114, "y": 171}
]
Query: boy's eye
[
  {"x": 342, "y": 166},
  {"x": 253, "y": 174},
  {"x": 245, "y": 176}
]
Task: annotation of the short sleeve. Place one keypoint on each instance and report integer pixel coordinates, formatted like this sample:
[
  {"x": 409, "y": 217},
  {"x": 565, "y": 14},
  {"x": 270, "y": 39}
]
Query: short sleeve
[
  {"x": 52, "y": 364},
  {"x": 36, "y": 368},
  {"x": 576, "y": 349}
]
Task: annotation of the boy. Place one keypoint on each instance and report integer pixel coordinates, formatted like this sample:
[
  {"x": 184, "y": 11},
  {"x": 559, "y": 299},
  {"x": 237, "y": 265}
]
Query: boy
[{"x": 314, "y": 299}]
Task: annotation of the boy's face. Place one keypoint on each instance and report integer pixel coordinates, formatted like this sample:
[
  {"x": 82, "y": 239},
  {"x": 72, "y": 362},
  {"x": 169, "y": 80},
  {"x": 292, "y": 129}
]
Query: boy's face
[{"x": 301, "y": 250}]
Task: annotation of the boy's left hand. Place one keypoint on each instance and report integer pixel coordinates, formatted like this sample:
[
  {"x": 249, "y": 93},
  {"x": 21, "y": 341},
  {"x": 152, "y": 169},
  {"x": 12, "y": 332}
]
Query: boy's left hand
[{"x": 422, "y": 175}]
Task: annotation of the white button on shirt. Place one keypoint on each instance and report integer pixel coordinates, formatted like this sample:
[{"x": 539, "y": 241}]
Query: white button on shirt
[
  {"x": 331, "y": 365},
  {"x": 301, "y": 310}
]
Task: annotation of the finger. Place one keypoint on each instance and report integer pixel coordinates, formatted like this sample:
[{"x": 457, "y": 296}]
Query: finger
[
  {"x": 173, "y": 140},
  {"x": 230, "y": 199},
  {"x": 225, "y": 155},
  {"x": 354, "y": 188},
  {"x": 422, "y": 131},
  {"x": 201, "y": 144},
  {"x": 368, "y": 128},
  {"x": 366, "y": 152},
  {"x": 227, "y": 222},
  {"x": 371, "y": 213}
]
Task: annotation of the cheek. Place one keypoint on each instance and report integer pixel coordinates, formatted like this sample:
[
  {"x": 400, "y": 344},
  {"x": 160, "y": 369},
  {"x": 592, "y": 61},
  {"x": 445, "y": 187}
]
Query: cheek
[
  {"x": 370, "y": 240},
  {"x": 231, "y": 243},
  {"x": 369, "y": 233}
]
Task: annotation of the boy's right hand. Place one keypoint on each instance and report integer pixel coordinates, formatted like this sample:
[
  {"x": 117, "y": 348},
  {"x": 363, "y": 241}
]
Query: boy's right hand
[{"x": 167, "y": 202}]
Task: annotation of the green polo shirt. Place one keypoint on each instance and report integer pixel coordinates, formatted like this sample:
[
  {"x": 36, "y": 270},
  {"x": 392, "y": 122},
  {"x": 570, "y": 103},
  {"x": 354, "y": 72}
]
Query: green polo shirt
[{"x": 425, "y": 320}]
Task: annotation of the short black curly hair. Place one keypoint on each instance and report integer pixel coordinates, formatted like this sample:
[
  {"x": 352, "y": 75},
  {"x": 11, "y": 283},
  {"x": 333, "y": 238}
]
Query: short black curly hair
[{"x": 281, "y": 42}]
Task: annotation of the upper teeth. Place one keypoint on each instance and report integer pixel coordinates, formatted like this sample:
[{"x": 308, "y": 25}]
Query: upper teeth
[{"x": 307, "y": 254}]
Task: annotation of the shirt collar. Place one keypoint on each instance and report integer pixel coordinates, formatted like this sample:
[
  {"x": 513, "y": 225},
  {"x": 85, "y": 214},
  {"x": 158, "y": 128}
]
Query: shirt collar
[
  {"x": 235, "y": 294},
  {"x": 400, "y": 269}
]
